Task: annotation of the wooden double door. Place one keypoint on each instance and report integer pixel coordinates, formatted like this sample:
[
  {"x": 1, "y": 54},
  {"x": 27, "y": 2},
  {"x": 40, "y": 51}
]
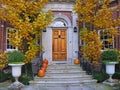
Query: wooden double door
[{"x": 59, "y": 45}]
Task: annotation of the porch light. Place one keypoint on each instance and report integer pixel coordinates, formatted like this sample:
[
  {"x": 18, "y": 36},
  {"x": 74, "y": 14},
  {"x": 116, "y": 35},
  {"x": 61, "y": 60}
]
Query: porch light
[
  {"x": 44, "y": 30},
  {"x": 75, "y": 29}
]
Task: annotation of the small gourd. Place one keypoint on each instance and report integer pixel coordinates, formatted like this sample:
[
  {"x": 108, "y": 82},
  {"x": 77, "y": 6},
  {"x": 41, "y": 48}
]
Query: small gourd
[
  {"x": 41, "y": 73},
  {"x": 44, "y": 69},
  {"x": 44, "y": 65},
  {"x": 76, "y": 61},
  {"x": 45, "y": 61}
]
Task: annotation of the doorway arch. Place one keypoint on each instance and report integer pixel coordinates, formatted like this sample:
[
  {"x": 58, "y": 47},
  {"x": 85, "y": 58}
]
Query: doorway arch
[{"x": 61, "y": 23}]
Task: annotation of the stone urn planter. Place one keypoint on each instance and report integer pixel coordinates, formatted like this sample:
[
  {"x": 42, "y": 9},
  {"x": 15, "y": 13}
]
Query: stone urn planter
[
  {"x": 16, "y": 61},
  {"x": 16, "y": 73},
  {"x": 110, "y": 69},
  {"x": 110, "y": 58}
]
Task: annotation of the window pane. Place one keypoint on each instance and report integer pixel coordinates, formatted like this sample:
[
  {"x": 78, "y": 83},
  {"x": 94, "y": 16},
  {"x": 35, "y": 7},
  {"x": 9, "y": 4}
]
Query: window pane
[
  {"x": 9, "y": 46},
  {"x": 104, "y": 37},
  {"x": 59, "y": 24}
]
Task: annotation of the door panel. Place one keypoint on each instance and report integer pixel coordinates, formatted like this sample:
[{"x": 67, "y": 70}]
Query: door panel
[{"x": 59, "y": 43}]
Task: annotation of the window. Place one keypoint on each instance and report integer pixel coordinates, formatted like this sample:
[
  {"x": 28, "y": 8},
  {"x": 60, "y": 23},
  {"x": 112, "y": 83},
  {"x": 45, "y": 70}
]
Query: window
[
  {"x": 9, "y": 47},
  {"x": 105, "y": 37},
  {"x": 59, "y": 24}
]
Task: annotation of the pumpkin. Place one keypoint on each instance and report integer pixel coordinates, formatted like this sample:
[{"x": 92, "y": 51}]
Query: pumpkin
[
  {"x": 45, "y": 61},
  {"x": 41, "y": 73},
  {"x": 44, "y": 65},
  {"x": 44, "y": 69},
  {"x": 76, "y": 61}
]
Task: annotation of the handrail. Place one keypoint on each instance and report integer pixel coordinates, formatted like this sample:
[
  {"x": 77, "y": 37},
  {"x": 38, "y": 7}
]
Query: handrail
[
  {"x": 37, "y": 63},
  {"x": 86, "y": 66},
  {"x": 40, "y": 61}
]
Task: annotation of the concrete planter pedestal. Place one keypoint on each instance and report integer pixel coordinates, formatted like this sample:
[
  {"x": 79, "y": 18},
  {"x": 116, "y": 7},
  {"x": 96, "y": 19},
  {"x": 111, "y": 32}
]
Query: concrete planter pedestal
[
  {"x": 16, "y": 73},
  {"x": 110, "y": 69}
]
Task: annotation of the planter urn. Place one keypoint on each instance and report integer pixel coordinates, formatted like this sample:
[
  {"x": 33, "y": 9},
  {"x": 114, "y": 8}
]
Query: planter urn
[
  {"x": 110, "y": 69},
  {"x": 16, "y": 73}
]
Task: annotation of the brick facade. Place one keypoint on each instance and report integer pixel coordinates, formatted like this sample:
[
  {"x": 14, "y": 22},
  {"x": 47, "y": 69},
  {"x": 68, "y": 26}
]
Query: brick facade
[
  {"x": 66, "y": 13},
  {"x": 2, "y": 35},
  {"x": 3, "y": 26}
]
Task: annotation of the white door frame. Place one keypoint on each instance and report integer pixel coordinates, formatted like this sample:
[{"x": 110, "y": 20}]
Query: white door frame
[{"x": 47, "y": 39}]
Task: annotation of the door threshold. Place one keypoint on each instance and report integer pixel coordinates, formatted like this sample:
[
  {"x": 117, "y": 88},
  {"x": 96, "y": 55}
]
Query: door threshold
[{"x": 59, "y": 62}]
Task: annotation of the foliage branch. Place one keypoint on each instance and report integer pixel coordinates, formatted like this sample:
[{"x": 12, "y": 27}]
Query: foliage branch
[
  {"x": 3, "y": 60},
  {"x": 95, "y": 15},
  {"x": 29, "y": 19}
]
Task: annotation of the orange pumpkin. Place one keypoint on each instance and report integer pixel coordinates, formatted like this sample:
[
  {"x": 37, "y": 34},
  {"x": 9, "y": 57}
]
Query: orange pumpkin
[
  {"x": 45, "y": 61},
  {"x": 44, "y": 69},
  {"x": 76, "y": 61},
  {"x": 41, "y": 73},
  {"x": 44, "y": 65}
]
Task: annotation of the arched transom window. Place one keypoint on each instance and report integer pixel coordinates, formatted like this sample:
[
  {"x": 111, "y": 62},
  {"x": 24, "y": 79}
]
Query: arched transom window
[{"x": 59, "y": 24}]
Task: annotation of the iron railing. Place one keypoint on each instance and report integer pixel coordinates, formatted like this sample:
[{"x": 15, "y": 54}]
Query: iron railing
[
  {"x": 37, "y": 64},
  {"x": 86, "y": 66}
]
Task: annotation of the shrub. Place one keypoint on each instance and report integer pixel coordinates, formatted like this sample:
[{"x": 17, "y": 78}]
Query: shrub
[
  {"x": 15, "y": 57},
  {"x": 100, "y": 76},
  {"x": 5, "y": 76},
  {"x": 25, "y": 78},
  {"x": 109, "y": 56}
]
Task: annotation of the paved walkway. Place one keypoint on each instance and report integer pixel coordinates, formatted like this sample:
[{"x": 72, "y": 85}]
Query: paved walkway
[{"x": 4, "y": 86}]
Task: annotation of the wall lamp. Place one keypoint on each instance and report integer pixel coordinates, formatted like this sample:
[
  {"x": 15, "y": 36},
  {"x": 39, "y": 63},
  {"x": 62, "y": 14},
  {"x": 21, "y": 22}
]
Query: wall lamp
[
  {"x": 75, "y": 29},
  {"x": 44, "y": 30}
]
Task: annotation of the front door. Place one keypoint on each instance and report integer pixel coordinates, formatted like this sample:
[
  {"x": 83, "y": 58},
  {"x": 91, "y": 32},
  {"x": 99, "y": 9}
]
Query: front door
[{"x": 59, "y": 45}]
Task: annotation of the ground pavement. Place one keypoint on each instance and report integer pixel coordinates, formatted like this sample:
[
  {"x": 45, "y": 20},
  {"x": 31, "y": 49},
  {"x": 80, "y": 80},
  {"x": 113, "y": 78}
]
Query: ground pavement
[
  {"x": 4, "y": 86},
  {"x": 63, "y": 77}
]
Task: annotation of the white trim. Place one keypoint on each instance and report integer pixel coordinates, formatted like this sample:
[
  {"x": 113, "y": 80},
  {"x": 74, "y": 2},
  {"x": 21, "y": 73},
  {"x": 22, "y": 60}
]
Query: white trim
[
  {"x": 63, "y": 18},
  {"x": 104, "y": 40},
  {"x": 9, "y": 49},
  {"x": 58, "y": 7},
  {"x": 71, "y": 40}
]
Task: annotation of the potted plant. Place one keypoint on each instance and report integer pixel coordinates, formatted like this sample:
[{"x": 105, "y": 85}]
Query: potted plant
[
  {"x": 16, "y": 60},
  {"x": 16, "y": 57},
  {"x": 110, "y": 58}
]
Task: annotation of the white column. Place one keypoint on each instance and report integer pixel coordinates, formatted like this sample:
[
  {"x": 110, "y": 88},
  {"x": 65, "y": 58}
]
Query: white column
[
  {"x": 75, "y": 37},
  {"x": 47, "y": 44},
  {"x": 69, "y": 44}
]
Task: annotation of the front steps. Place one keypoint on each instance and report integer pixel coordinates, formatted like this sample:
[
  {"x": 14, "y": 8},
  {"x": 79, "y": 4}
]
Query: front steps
[{"x": 63, "y": 75}]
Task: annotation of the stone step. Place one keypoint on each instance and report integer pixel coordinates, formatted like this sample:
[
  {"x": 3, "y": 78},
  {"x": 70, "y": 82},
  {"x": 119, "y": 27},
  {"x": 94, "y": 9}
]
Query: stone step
[
  {"x": 62, "y": 67},
  {"x": 62, "y": 83},
  {"x": 62, "y": 78},
  {"x": 64, "y": 70},
  {"x": 70, "y": 87},
  {"x": 63, "y": 74},
  {"x": 66, "y": 76}
]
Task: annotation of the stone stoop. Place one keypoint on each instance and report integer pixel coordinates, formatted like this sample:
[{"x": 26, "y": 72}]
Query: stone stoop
[{"x": 63, "y": 75}]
